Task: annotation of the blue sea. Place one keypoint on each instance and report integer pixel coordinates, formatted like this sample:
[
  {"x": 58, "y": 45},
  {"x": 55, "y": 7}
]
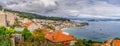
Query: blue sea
[{"x": 98, "y": 31}]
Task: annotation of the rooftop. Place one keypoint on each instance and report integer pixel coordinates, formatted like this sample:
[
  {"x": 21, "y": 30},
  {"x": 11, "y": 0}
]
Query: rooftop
[
  {"x": 58, "y": 36},
  {"x": 116, "y": 42},
  {"x": 96, "y": 44}
]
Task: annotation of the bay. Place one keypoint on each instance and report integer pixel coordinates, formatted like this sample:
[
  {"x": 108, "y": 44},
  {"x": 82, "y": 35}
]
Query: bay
[{"x": 98, "y": 31}]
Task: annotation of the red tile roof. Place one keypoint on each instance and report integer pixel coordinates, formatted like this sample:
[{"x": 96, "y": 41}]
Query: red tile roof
[
  {"x": 96, "y": 44},
  {"x": 116, "y": 42},
  {"x": 45, "y": 30},
  {"x": 58, "y": 36},
  {"x": 27, "y": 24}
]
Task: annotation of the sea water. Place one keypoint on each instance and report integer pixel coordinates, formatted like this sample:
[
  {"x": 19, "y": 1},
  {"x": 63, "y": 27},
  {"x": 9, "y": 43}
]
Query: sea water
[{"x": 98, "y": 30}]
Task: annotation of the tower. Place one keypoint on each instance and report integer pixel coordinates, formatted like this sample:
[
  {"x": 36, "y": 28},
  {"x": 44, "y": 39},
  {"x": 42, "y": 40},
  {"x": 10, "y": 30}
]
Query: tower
[{"x": 2, "y": 18}]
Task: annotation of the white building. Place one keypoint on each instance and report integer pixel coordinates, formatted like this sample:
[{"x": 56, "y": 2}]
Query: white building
[{"x": 34, "y": 26}]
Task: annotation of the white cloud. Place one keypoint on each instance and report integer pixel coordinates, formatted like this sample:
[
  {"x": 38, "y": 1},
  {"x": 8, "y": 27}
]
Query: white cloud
[
  {"x": 98, "y": 10},
  {"x": 29, "y": 5},
  {"x": 67, "y": 8}
]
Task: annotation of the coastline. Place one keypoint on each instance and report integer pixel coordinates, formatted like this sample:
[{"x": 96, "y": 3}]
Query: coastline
[{"x": 98, "y": 31}]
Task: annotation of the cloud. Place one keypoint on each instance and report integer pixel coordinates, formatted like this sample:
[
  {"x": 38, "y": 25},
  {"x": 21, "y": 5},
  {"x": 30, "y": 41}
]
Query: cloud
[
  {"x": 30, "y": 5},
  {"x": 99, "y": 9},
  {"x": 67, "y": 8}
]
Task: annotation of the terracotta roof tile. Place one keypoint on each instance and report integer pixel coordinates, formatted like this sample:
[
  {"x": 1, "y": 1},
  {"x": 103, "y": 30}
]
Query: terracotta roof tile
[
  {"x": 59, "y": 37},
  {"x": 116, "y": 42},
  {"x": 106, "y": 44},
  {"x": 96, "y": 44},
  {"x": 27, "y": 24}
]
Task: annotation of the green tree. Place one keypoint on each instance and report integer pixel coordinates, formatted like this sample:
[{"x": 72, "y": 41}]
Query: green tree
[
  {"x": 49, "y": 27},
  {"x": 1, "y": 7},
  {"x": 2, "y": 30},
  {"x": 38, "y": 35},
  {"x": 117, "y": 38},
  {"x": 9, "y": 31},
  {"x": 4, "y": 41},
  {"x": 27, "y": 34},
  {"x": 79, "y": 43},
  {"x": 84, "y": 42},
  {"x": 27, "y": 15}
]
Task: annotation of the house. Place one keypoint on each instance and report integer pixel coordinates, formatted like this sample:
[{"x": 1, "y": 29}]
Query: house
[
  {"x": 24, "y": 20},
  {"x": 46, "y": 31},
  {"x": 59, "y": 37},
  {"x": 2, "y": 19},
  {"x": 18, "y": 38},
  {"x": 10, "y": 18},
  {"x": 96, "y": 44},
  {"x": 116, "y": 43},
  {"x": 108, "y": 42},
  {"x": 33, "y": 26},
  {"x": 19, "y": 29},
  {"x": 26, "y": 24}
]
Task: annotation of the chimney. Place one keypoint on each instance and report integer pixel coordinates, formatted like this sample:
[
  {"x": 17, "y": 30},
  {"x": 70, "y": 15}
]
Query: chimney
[{"x": 53, "y": 38}]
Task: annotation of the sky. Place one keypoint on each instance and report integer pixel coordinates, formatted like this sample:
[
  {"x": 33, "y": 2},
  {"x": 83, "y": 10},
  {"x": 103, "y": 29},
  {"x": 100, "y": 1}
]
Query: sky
[{"x": 67, "y": 8}]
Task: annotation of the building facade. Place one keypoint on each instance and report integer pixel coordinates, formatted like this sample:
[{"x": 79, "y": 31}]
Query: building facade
[{"x": 6, "y": 18}]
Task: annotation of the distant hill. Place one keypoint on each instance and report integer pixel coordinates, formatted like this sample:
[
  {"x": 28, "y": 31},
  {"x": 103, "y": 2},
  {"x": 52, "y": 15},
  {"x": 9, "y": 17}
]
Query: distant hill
[
  {"x": 0, "y": 7},
  {"x": 36, "y": 16},
  {"x": 95, "y": 19}
]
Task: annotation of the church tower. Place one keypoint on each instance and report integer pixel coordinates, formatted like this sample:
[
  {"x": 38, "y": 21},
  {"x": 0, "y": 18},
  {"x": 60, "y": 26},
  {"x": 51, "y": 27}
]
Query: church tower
[{"x": 3, "y": 18}]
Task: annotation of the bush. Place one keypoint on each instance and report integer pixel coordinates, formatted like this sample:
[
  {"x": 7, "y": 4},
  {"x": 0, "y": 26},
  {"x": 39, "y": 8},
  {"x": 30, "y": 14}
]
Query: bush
[
  {"x": 2, "y": 30},
  {"x": 27, "y": 34}
]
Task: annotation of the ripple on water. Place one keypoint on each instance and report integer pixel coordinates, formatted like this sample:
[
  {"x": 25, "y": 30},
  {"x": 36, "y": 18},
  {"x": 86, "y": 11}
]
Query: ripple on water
[{"x": 98, "y": 31}]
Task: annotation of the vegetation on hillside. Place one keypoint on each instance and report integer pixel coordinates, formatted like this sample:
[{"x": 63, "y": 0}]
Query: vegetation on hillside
[
  {"x": 5, "y": 36},
  {"x": 32, "y": 16},
  {"x": 27, "y": 34},
  {"x": 0, "y": 7},
  {"x": 84, "y": 42},
  {"x": 36, "y": 16},
  {"x": 49, "y": 27},
  {"x": 117, "y": 38}
]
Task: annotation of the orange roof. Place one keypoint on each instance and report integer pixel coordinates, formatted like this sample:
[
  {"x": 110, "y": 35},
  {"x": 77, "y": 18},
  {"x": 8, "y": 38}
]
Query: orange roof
[
  {"x": 45, "y": 30},
  {"x": 106, "y": 44},
  {"x": 27, "y": 24},
  {"x": 116, "y": 42},
  {"x": 58, "y": 36},
  {"x": 96, "y": 44}
]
